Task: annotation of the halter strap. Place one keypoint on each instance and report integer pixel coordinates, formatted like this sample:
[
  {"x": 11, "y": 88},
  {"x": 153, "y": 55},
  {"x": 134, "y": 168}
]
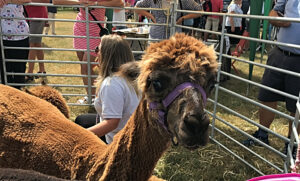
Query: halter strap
[{"x": 172, "y": 96}]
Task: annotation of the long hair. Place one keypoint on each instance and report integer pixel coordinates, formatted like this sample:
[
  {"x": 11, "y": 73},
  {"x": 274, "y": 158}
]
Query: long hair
[
  {"x": 234, "y": 1},
  {"x": 113, "y": 52}
]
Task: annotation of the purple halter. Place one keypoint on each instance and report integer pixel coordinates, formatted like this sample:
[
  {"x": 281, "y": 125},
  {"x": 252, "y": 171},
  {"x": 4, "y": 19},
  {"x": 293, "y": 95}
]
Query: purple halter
[{"x": 172, "y": 96}]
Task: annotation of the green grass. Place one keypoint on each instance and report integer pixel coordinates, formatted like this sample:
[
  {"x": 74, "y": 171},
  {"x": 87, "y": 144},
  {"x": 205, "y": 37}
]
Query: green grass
[{"x": 178, "y": 164}]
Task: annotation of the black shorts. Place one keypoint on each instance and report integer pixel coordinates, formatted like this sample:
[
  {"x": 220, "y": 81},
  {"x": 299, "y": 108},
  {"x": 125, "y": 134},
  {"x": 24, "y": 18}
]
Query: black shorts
[
  {"x": 237, "y": 31},
  {"x": 281, "y": 81}
]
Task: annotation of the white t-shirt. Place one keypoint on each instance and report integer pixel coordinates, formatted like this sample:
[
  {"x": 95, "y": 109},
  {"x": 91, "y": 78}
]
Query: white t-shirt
[
  {"x": 14, "y": 26},
  {"x": 237, "y": 10},
  {"x": 116, "y": 99},
  {"x": 119, "y": 15}
]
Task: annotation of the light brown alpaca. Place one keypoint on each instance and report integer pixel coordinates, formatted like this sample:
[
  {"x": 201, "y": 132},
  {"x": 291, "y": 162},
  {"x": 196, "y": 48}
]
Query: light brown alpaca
[
  {"x": 34, "y": 135},
  {"x": 51, "y": 95}
]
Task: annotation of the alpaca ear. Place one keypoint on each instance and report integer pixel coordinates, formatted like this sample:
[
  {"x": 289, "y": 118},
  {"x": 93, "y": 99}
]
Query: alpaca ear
[{"x": 130, "y": 70}]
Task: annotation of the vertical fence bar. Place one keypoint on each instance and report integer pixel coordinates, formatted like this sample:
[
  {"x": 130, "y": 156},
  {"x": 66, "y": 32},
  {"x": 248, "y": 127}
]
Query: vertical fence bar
[
  {"x": 2, "y": 56},
  {"x": 88, "y": 56},
  {"x": 173, "y": 16},
  {"x": 218, "y": 77}
]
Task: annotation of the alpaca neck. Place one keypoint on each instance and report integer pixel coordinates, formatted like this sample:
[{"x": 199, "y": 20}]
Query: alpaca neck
[{"x": 136, "y": 149}]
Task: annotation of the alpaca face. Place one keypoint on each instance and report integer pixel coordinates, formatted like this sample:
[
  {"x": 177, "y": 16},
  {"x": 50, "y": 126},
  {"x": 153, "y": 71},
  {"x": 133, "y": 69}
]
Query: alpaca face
[
  {"x": 185, "y": 117},
  {"x": 173, "y": 62}
]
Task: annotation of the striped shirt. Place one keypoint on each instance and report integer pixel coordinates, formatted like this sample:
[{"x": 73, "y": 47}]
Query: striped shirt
[
  {"x": 159, "y": 32},
  {"x": 79, "y": 29}
]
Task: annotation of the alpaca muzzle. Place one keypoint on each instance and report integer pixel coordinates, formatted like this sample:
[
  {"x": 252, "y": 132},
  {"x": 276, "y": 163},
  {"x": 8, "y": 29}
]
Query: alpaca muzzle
[{"x": 162, "y": 120}]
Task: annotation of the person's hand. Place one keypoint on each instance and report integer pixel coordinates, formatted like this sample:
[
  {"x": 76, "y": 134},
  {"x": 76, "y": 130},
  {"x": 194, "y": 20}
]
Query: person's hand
[
  {"x": 276, "y": 22},
  {"x": 22, "y": 1},
  {"x": 88, "y": 2},
  {"x": 179, "y": 21},
  {"x": 152, "y": 19},
  {"x": 47, "y": 24},
  {"x": 232, "y": 29}
]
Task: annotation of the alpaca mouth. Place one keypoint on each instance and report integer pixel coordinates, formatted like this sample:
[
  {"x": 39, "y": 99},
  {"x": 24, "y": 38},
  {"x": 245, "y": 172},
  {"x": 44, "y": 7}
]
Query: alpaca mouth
[{"x": 194, "y": 147}]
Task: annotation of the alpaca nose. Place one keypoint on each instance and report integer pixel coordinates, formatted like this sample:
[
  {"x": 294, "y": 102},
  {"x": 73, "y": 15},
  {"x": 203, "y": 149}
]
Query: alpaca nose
[{"x": 194, "y": 122}]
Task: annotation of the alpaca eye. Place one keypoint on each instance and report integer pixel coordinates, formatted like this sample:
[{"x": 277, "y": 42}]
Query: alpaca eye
[{"x": 157, "y": 85}]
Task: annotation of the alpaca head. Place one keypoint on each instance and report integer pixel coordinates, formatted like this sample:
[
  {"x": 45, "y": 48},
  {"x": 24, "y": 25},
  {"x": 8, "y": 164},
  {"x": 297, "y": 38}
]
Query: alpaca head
[
  {"x": 182, "y": 61},
  {"x": 52, "y": 96}
]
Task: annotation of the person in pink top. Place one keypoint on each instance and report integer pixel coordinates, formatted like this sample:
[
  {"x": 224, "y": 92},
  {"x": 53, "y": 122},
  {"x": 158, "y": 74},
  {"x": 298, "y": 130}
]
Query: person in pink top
[
  {"x": 36, "y": 27},
  {"x": 79, "y": 29},
  {"x": 212, "y": 21}
]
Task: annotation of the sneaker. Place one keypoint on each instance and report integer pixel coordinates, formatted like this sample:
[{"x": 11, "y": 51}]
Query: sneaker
[
  {"x": 251, "y": 142},
  {"x": 29, "y": 78},
  {"x": 294, "y": 151},
  {"x": 84, "y": 100},
  {"x": 38, "y": 76}
]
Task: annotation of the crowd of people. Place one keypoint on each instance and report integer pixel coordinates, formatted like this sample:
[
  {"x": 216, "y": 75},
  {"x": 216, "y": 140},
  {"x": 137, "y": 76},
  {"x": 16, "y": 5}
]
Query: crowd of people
[
  {"x": 35, "y": 27},
  {"x": 116, "y": 98}
]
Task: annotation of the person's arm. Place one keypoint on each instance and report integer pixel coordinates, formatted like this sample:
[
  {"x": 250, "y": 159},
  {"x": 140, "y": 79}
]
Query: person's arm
[
  {"x": 276, "y": 22},
  {"x": 3, "y": 2},
  {"x": 188, "y": 16},
  {"x": 231, "y": 20},
  {"x": 146, "y": 14},
  {"x": 104, "y": 127},
  {"x": 111, "y": 3},
  {"x": 144, "y": 4},
  {"x": 72, "y": 2},
  {"x": 189, "y": 5},
  {"x": 40, "y": 1}
]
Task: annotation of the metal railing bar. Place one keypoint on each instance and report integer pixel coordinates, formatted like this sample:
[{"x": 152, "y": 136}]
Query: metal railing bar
[
  {"x": 250, "y": 136},
  {"x": 262, "y": 65},
  {"x": 237, "y": 156},
  {"x": 261, "y": 86},
  {"x": 51, "y": 61},
  {"x": 251, "y": 151},
  {"x": 252, "y": 122},
  {"x": 52, "y": 75}
]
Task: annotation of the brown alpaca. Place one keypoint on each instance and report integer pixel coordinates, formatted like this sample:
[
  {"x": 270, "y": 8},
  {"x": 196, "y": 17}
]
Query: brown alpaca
[
  {"x": 50, "y": 95},
  {"x": 45, "y": 141},
  {"x": 12, "y": 174}
]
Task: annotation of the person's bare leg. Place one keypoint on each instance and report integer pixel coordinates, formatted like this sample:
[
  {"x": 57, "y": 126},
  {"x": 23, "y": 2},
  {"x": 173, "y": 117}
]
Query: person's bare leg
[
  {"x": 40, "y": 56},
  {"x": 213, "y": 36},
  {"x": 266, "y": 117},
  {"x": 205, "y": 36},
  {"x": 84, "y": 71},
  {"x": 31, "y": 56}
]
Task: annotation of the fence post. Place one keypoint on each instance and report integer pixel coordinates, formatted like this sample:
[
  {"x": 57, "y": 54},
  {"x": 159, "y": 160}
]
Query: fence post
[
  {"x": 173, "y": 16},
  {"x": 3, "y": 77},
  {"x": 88, "y": 55}
]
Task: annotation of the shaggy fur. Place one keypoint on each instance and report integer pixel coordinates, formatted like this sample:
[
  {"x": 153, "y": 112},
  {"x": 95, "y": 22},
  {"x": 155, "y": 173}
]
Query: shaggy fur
[
  {"x": 10, "y": 174},
  {"x": 34, "y": 135},
  {"x": 50, "y": 95}
]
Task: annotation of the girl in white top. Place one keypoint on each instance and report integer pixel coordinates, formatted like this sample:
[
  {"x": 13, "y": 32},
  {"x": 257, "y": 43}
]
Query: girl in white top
[
  {"x": 116, "y": 97},
  {"x": 234, "y": 24}
]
